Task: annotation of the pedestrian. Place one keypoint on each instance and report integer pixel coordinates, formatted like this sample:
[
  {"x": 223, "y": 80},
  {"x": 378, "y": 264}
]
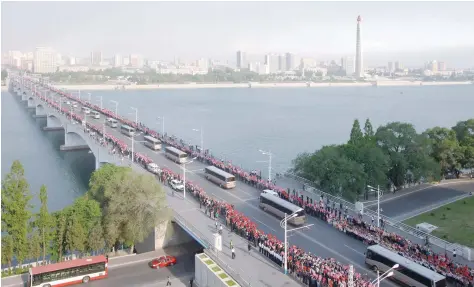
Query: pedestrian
[
  {"x": 372, "y": 220},
  {"x": 217, "y": 229},
  {"x": 233, "y": 252},
  {"x": 191, "y": 282},
  {"x": 454, "y": 253},
  {"x": 168, "y": 283},
  {"x": 220, "y": 229},
  {"x": 249, "y": 247}
]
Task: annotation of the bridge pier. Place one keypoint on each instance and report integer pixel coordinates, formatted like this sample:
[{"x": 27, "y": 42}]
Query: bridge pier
[{"x": 73, "y": 147}]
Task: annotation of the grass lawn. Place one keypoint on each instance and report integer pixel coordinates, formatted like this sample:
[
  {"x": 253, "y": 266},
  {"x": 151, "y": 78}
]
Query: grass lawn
[{"x": 455, "y": 221}]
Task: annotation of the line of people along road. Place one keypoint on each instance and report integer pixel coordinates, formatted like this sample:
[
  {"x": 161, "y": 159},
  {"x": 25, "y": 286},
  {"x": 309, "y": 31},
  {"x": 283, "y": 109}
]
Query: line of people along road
[{"x": 351, "y": 226}]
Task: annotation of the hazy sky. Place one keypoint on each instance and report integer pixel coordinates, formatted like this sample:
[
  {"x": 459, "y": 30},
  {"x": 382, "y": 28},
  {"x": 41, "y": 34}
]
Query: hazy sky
[{"x": 163, "y": 30}]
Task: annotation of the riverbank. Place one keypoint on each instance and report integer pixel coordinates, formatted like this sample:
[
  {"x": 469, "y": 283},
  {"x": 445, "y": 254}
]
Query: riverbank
[{"x": 103, "y": 87}]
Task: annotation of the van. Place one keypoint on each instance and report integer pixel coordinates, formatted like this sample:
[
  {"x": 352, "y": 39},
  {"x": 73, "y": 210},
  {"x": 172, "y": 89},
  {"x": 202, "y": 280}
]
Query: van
[
  {"x": 269, "y": 191},
  {"x": 153, "y": 168},
  {"x": 96, "y": 115},
  {"x": 86, "y": 110}
]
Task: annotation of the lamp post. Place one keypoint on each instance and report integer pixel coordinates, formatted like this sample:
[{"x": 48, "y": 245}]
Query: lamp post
[
  {"x": 284, "y": 225},
  {"x": 162, "y": 124},
  {"x": 100, "y": 101},
  {"x": 385, "y": 275},
  {"x": 184, "y": 175},
  {"x": 269, "y": 153},
  {"x": 378, "y": 201},
  {"x": 202, "y": 139},
  {"x": 136, "y": 115},
  {"x": 116, "y": 106}
]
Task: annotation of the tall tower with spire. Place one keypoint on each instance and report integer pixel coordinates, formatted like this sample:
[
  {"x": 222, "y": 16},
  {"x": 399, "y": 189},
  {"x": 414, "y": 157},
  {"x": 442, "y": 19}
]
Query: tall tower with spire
[{"x": 359, "y": 70}]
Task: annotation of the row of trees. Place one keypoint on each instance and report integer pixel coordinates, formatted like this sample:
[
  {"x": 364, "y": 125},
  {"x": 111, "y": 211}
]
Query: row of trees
[
  {"x": 121, "y": 206},
  {"x": 392, "y": 156}
]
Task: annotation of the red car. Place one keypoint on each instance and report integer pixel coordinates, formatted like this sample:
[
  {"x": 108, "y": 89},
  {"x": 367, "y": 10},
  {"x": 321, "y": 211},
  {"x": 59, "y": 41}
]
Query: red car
[{"x": 162, "y": 261}]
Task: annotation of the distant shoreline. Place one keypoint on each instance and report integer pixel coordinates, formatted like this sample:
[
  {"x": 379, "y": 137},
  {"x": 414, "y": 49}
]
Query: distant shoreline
[{"x": 258, "y": 85}]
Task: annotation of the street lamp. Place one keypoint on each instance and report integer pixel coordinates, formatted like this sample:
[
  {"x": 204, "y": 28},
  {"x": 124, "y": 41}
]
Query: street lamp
[
  {"x": 162, "y": 124},
  {"x": 100, "y": 101},
  {"x": 116, "y": 106},
  {"x": 136, "y": 115},
  {"x": 202, "y": 139},
  {"x": 378, "y": 201},
  {"x": 283, "y": 224},
  {"x": 184, "y": 175},
  {"x": 269, "y": 153},
  {"x": 385, "y": 275}
]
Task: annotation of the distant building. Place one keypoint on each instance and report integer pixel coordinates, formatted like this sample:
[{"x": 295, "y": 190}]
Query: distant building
[
  {"x": 442, "y": 66},
  {"x": 241, "y": 60},
  {"x": 136, "y": 61},
  {"x": 126, "y": 61},
  {"x": 398, "y": 66},
  {"x": 349, "y": 65},
  {"x": 390, "y": 67},
  {"x": 96, "y": 58},
  {"x": 433, "y": 66},
  {"x": 203, "y": 64},
  {"x": 118, "y": 60},
  {"x": 281, "y": 63},
  {"x": 359, "y": 70},
  {"x": 290, "y": 62},
  {"x": 44, "y": 60}
]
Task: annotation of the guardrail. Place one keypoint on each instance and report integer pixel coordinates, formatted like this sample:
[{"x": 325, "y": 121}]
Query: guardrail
[{"x": 420, "y": 234}]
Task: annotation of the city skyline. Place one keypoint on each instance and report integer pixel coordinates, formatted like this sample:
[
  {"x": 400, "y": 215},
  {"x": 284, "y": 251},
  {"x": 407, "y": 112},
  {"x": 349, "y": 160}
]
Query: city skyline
[{"x": 302, "y": 35}]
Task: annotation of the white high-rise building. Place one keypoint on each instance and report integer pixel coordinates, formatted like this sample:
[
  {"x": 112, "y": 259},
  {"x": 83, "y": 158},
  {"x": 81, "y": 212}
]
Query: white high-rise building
[
  {"x": 96, "y": 58},
  {"x": 118, "y": 60},
  {"x": 359, "y": 70},
  {"x": 44, "y": 60},
  {"x": 126, "y": 61},
  {"x": 203, "y": 64},
  {"x": 241, "y": 60},
  {"x": 290, "y": 61},
  {"x": 349, "y": 65}
]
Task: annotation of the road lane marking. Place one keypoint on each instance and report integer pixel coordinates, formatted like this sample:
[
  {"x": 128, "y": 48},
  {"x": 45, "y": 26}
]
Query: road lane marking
[
  {"x": 264, "y": 224},
  {"x": 356, "y": 251}
]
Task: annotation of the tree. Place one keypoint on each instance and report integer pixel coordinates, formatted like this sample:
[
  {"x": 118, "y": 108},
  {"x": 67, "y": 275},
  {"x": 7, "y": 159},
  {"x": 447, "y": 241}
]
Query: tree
[
  {"x": 133, "y": 204},
  {"x": 356, "y": 133},
  {"x": 59, "y": 237},
  {"x": 368, "y": 131},
  {"x": 99, "y": 180},
  {"x": 7, "y": 250},
  {"x": 35, "y": 245},
  {"x": 44, "y": 222},
  {"x": 75, "y": 237},
  {"x": 465, "y": 132},
  {"x": 16, "y": 212},
  {"x": 446, "y": 149},
  {"x": 95, "y": 241}
]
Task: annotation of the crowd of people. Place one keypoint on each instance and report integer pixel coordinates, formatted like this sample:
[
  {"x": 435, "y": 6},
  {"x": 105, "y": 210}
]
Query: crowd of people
[{"x": 308, "y": 267}]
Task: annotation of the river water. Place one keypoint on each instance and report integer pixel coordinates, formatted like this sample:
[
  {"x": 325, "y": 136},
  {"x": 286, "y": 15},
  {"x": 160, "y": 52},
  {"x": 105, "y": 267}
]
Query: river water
[{"x": 236, "y": 124}]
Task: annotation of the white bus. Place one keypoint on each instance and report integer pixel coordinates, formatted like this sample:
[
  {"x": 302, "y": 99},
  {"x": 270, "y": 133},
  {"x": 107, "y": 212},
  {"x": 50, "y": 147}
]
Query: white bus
[
  {"x": 279, "y": 207},
  {"x": 95, "y": 114},
  {"x": 86, "y": 110},
  {"x": 152, "y": 143},
  {"x": 175, "y": 154},
  {"x": 408, "y": 272},
  {"x": 220, "y": 177},
  {"x": 127, "y": 130},
  {"x": 113, "y": 123}
]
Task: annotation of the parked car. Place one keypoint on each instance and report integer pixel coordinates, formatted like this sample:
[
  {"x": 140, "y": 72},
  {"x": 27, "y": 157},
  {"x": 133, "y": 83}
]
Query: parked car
[
  {"x": 177, "y": 185},
  {"x": 153, "y": 168},
  {"x": 162, "y": 261}
]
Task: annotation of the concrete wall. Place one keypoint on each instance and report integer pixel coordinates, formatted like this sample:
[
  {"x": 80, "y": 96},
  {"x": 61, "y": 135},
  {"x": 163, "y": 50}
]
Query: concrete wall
[{"x": 167, "y": 235}]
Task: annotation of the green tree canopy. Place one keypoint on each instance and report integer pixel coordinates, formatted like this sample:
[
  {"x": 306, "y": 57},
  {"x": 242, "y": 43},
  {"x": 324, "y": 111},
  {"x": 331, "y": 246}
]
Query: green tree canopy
[
  {"x": 4, "y": 74},
  {"x": 356, "y": 133},
  {"x": 16, "y": 207},
  {"x": 133, "y": 204},
  {"x": 44, "y": 222}
]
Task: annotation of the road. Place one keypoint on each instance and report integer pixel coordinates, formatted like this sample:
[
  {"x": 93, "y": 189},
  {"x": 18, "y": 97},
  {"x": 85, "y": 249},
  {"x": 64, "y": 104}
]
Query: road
[
  {"x": 403, "y": 206},
  {"x": 320, "y": 239},
  {"x": 133, "y": 270}
]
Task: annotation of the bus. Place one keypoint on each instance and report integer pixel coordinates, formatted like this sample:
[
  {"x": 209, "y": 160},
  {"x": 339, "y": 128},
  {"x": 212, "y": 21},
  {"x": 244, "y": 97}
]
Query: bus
[
  {"x": 113, "y": 123},
  {"x": 95, "y": 114},
  {"x": 152, "y": 143},
  {"x": 127, "y": 130},
  {"x": 280, "y": 208},
  {"x": 175, "y": 154},
  {"x": 408, "y": 272},
  {"x": 68, "y": 272},
  {"x": 220, "y": 177}
]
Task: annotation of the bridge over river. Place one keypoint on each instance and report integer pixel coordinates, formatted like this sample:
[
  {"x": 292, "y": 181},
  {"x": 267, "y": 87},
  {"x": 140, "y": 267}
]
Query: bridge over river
[{"x": 249, "y": 269}]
